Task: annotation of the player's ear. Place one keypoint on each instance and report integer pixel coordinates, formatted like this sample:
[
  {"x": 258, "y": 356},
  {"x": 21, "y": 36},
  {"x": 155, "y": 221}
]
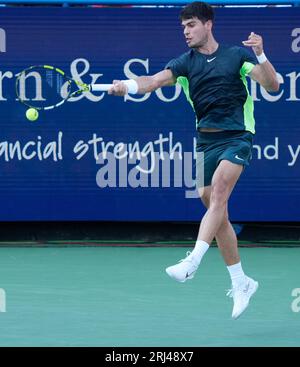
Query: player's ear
[{"x": 208, "y": 25}]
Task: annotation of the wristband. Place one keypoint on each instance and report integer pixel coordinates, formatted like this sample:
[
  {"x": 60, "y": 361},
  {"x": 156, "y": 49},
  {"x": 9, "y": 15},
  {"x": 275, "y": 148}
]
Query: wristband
[
  {"x": 132, "y": 86},
  {"x": 261, "y": 58}
]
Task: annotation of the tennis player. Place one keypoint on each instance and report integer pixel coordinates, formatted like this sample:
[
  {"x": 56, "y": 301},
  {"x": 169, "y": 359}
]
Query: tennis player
[{"x": 213, "y": 76}]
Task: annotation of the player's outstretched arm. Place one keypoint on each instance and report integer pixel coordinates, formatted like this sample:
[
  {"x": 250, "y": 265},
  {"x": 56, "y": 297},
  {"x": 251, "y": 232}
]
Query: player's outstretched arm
[
  {"x": 142, "y": 84},
  {"x": 264, "y": 72}
]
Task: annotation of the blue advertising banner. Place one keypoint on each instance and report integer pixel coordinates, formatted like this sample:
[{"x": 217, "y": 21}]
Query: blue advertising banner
[{"x": 100, "y": 157}]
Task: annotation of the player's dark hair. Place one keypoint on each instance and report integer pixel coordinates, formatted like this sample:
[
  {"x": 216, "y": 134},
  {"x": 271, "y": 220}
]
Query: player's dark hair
[{"x": 198, "y": 9}]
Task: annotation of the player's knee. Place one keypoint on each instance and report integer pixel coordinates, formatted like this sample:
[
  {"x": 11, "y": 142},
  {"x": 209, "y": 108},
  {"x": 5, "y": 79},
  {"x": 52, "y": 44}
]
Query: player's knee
[{"x": 219, "y": 194}]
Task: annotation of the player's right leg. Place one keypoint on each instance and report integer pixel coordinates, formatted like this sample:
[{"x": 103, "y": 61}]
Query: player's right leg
[
  {"x": 186, "y": 268},
  {"x": 243, "y": 287},
  {"x": 223, "y": 177},
  {"x": 226, "y": 240}
]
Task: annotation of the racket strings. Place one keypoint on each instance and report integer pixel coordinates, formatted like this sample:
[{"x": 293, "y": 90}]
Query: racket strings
[{"x": 41, "y": 87}]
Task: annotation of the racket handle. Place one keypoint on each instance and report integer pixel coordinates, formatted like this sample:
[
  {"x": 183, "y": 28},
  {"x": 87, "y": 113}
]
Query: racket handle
[{"x": 101, "y": 87}]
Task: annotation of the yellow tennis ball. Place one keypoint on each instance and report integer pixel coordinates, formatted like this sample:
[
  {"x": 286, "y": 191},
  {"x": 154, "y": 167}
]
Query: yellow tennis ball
[{"x": 32, "y": 114}]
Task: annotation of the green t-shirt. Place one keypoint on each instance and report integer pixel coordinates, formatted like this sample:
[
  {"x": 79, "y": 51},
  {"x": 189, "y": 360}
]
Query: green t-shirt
[{"x": 216, "y": 86}]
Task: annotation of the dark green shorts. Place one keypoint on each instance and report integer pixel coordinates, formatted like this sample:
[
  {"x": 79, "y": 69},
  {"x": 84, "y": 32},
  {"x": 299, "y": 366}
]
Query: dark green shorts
[{"x": 234, "y": 146}]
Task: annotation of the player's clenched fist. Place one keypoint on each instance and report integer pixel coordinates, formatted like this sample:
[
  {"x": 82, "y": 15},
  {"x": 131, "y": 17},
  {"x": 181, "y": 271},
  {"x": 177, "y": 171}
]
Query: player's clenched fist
[{"x": 119, "y": 88}]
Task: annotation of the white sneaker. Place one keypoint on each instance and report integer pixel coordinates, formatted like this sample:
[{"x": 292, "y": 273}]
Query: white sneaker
[
  {"x": 184, "y": 270},
  {"x": 241, "y": 295}
]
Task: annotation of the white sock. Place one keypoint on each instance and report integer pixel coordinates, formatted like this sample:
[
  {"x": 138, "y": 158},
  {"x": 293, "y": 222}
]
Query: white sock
[
  {"x": 237, "y": 274},
  {"x": 199, "y": 250}
]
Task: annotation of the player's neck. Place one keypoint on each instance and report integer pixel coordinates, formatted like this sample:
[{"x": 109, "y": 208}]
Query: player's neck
[{"x": 209, "y": 48}]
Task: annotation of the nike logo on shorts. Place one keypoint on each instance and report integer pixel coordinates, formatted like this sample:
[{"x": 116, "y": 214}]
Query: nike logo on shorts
[{"x": 237, "y": 157}]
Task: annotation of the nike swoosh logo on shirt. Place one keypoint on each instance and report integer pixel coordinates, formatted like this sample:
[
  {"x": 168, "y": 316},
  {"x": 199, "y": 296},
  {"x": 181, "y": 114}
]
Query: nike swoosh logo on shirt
[{"x": 210, "y": 60}]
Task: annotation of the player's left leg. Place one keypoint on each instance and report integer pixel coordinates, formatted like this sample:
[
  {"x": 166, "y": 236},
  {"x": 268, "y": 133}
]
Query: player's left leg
[
  {"x": 226, "y": 237},
  {"x": 223, "y": 181}
]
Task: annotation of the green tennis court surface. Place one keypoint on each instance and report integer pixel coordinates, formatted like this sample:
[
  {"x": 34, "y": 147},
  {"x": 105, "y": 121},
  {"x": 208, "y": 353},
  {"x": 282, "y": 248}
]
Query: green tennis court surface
[{"x": 121, "y": 296}]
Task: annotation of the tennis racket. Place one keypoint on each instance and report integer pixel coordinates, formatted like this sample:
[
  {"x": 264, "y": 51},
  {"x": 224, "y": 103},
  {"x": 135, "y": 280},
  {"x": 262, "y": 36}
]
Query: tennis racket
[{"x": 45, "y": 87}]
